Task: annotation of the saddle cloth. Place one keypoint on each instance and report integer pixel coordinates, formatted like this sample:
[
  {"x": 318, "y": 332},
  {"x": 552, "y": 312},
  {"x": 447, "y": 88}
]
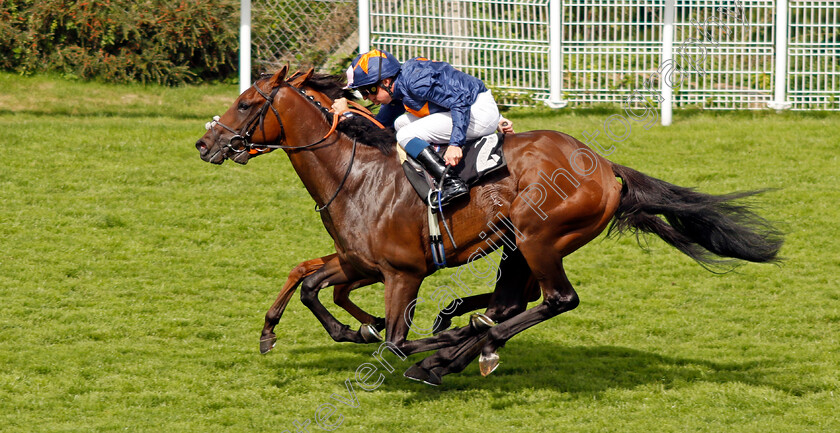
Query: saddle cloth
[{"x": 481, "y": 157}]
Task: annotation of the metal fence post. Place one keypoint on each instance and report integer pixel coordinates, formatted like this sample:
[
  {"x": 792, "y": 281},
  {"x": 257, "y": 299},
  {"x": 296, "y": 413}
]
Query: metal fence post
[
  {"x": 779, "y": 100},
  {"x": 244, "y": 45},
  {"x": 364, "y": 26},
  {"x": 666, "y": 57},
  {"x": 555, "y": 55}
]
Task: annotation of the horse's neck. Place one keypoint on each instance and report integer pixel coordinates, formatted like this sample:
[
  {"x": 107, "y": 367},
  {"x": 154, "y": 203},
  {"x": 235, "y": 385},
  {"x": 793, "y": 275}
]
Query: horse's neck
[{"x": 321, "y": 168}]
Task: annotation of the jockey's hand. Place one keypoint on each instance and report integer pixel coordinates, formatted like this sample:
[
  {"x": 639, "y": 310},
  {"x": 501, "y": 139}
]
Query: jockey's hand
[
  {"x": 505, "y": 126},
  {"x": 453, "y": 155},
  {"x": 340, "y": 106}
]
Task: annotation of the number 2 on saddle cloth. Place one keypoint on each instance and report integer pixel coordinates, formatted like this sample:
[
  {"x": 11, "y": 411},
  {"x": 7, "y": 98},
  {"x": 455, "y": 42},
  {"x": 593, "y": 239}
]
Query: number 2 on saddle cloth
[{"x": 481, "y": 157}]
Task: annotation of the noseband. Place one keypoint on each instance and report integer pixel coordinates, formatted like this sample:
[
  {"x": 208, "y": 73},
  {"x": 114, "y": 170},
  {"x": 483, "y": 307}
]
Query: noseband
[{"x": 241, "y": 141}]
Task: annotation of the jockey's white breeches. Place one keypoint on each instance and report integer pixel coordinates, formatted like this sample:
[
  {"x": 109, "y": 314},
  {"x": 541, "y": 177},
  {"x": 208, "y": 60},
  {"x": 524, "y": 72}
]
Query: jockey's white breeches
[{"x": 436, "y": 128}]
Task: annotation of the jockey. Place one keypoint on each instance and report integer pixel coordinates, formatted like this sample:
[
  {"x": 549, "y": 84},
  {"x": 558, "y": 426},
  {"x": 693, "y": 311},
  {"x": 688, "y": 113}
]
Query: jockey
[{"x": 427, "y": 103}]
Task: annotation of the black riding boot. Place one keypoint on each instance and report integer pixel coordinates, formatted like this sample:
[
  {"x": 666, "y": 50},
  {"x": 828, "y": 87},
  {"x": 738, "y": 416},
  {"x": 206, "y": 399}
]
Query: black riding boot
[{"x": 453, "y": 186}]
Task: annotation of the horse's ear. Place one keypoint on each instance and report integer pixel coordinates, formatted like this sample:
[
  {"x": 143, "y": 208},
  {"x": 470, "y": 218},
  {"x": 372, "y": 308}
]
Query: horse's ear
[
  {"x": 278, "y": 77},
  {"x": 302, "y": 78}
]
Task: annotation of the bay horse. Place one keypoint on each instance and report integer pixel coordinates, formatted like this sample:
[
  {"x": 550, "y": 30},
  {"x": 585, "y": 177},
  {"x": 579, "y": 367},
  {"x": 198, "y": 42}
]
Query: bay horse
[
  {"x": 555, "y": 196},
  {"x": 323, "y": 90}
]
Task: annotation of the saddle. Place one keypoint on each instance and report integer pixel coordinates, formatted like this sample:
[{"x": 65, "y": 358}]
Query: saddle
[{"x": 481, "y": 157}]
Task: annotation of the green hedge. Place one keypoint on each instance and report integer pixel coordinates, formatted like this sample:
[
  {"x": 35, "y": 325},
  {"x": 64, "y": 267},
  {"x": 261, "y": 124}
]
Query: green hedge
[{"x": 151, "y": 41}]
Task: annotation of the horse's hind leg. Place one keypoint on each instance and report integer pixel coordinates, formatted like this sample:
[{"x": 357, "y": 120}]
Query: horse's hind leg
[
  {"x": 558, "y": 297},
  {"x": 546, "y": 263},
  {"x": 455, "y": 359},
  {"x": 513, "y": 273},
  {"x": 515, "y": 288},
  {"x": 567, "y": 226},
  {"x": 272, "y": 317},
  {"x": 460, "y": 307}
]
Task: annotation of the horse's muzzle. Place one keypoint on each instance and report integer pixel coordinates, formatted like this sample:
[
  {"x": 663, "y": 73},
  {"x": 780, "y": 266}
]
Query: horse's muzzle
[{"x": 213, "y": 157}]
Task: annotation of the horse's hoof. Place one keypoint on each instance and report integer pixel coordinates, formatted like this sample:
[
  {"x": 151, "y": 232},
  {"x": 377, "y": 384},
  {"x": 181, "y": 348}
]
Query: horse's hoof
[
  {"x": 442, "y": 325},
  {"x": 480, "y": 322},
  {"x": 369, "y": 333},
  {"x": 267, "y": 344},
  {"x": 488, "y": 364},
  {"x": 415, "y": 372},
  {"x": 434, "y": 378}
]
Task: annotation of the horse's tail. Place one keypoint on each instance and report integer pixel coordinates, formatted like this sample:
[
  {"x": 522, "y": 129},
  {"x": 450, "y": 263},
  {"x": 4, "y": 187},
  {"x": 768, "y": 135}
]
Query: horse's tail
[{"x": 703, "y": 226}]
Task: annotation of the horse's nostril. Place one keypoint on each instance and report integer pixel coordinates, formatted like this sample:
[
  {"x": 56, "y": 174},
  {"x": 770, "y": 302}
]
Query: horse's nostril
[{"x": 200, "y": 146}]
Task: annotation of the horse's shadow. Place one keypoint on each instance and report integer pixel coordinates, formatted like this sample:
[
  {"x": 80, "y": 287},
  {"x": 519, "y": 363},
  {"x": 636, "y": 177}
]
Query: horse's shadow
[{"x": 581, "y": 371}]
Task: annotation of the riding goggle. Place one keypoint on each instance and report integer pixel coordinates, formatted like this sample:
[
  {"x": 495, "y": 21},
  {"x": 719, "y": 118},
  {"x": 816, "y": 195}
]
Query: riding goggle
[{"x": 368, "y": 90}]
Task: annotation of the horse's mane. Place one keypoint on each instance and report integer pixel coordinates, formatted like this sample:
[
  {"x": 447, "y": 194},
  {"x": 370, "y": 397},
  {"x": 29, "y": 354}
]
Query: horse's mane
[
  {"x": 330, "y": 85},
  {"x": 355, "y": 127}
]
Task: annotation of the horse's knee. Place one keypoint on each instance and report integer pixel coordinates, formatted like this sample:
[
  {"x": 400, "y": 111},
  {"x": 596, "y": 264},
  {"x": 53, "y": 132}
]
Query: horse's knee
[
  {"x": 298, "y": 271},
  {"x": 309, "y": 292},
  {"x": 500, "y": 313},
  {"x": 562, "y": 302}
]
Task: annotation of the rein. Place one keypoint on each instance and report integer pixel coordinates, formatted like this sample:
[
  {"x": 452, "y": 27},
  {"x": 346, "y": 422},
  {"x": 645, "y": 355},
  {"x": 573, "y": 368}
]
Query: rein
[
  {"x": 340, "y": 184},
  {"x": 243, "y": 143}
]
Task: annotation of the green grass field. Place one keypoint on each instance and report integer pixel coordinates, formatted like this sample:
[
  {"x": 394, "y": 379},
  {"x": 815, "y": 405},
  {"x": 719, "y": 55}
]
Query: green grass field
[{"x": 134, "y": 278}]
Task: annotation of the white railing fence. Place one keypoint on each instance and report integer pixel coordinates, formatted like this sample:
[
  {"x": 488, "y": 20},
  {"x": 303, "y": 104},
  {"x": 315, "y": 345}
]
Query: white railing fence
[
  {"x": 738, "y": 54},
  {"x": 813, "y": 54}
]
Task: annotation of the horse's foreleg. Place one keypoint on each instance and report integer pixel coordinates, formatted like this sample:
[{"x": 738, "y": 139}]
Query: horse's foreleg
[
  {"x": 400, "y": 291},
  {"x": 272, "y": 317},
  {"x": 334, "y": 272},
  {"x": 341, "y": 297}
]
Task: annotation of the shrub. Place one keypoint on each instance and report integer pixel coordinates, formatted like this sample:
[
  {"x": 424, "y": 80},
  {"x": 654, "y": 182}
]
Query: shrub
[{"x": 158, "y": 41}]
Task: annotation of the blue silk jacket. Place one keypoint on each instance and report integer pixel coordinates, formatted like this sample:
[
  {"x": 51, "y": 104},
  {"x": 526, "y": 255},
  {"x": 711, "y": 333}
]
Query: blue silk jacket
[{"x": 425, "y": 87}]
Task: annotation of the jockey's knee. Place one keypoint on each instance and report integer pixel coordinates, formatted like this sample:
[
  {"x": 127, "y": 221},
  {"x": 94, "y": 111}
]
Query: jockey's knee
[
  {"x": 414, "y": 146},
  {"x": 401, "y": 121},
  {"x": 404, "y": 136}
]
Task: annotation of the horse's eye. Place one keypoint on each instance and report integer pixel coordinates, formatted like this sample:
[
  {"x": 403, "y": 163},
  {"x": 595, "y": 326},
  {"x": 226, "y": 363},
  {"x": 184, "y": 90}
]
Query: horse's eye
[{"x": 243, "y": 106}]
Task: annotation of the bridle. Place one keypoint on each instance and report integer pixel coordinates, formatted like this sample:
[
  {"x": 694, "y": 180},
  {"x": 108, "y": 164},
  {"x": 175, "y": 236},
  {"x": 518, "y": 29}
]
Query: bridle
[{"x": 241, "y": 141}]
